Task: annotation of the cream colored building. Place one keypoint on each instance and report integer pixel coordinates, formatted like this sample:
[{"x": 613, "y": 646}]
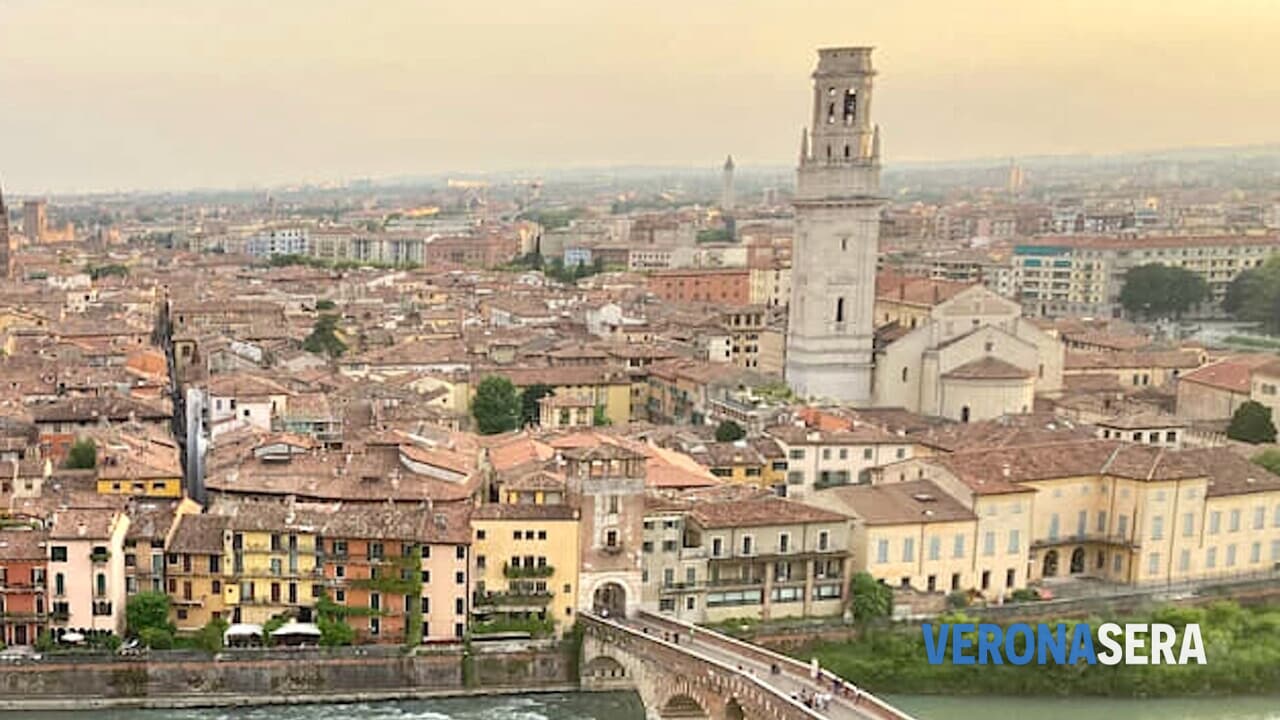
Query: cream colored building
[
  {"x": 922, "y": 535},
  {"x": 1124, "y": 512},
  {"x": 816, "y": 459},
  {"x": 736, "y": 551},
  {"x": 973, "y": 358}
]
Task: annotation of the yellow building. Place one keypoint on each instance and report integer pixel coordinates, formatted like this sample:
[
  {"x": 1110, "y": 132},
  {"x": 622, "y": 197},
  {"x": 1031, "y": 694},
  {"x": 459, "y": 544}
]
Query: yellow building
[
  {"x": 914, "y": 534},
  {"x": 526, "y": 561},
  {"x": 139, "y": 466},
  {"x": 273, "y": 558},
  {"x": 1125, "y": 512},
  {"x": 737, "y": 462},
  {"x": 198, "y": 574},
  {"x": 605, "y": 387}
]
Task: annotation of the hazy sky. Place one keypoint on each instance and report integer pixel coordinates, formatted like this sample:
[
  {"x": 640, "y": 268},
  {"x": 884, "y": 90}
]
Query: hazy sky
[{"x": 119, "y": 94}]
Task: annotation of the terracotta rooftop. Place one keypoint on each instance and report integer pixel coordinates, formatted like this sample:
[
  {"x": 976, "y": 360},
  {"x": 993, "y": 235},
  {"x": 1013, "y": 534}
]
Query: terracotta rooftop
[
  {"x": 988, "y": 368},
  {"x": 199, "y": 535},
  {"x": 1231, "y": 374},
  {"x": 897, "y": 503},
  {"x": 737, "y": 506},
  {"x": 1080, "y": 360},
  {"x": 495, "y": 511}
]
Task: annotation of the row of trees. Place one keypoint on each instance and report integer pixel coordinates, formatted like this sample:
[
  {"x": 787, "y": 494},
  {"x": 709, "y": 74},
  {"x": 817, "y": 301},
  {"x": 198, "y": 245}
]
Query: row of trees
[
  {"x": 1157, "y": 291},
  {"x": 147, "y": 619},
  {"x": 1254, "y": 295}
]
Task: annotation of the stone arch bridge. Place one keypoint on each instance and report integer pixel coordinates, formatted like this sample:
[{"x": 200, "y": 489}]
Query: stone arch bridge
[{"x": 683, "y": 671}]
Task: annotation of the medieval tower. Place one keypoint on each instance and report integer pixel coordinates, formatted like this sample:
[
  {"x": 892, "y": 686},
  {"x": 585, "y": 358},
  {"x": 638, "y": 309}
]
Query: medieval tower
[
  {"x": 837, "y": 204},
  {"x": 6, "y": 248},
  {"x": 726, "y": 188}
]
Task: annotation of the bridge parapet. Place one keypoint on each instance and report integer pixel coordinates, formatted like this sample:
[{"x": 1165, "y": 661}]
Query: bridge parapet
[
  {"x": 867, "y": 704},
  {"x": 676, "y": 681}
]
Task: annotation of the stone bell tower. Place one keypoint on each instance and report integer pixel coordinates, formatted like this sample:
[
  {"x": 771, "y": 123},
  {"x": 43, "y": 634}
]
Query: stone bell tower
[
  {"x": 837, "y": 203},
  {"x": 6, "y": 247}
]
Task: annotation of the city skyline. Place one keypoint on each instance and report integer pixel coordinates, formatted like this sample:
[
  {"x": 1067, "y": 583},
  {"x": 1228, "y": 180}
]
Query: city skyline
[{"x": 128, "y": 96}]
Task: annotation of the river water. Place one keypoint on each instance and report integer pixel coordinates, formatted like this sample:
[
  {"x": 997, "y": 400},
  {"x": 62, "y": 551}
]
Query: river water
[
  {"x": 937, "y": 707},
  {"x": 626, "y": 706}
]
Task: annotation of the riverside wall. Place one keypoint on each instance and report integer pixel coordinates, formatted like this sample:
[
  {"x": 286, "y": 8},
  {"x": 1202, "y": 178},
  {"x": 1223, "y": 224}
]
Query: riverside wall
[{"x": 279, "y": 677}]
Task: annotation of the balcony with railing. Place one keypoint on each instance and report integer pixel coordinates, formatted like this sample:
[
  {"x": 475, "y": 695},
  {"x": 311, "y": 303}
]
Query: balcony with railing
[
  {"x": 490, "y": 600},
  {"x": 1104, "y": 538},
  {"x": 523, "y": 571}
]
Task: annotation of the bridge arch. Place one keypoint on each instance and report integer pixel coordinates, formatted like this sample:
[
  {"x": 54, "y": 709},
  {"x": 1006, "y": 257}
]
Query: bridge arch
[
  {"x": 682, "y": 706},
  {"x": 733, "y": 710},
  {"x": 604, "y": 667}
]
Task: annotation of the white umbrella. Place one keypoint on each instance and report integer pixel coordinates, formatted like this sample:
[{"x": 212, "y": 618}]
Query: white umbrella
[
  {"x": 242, "y": 630},
  {"x": 72, "y": 638},
  {"x": 296, "y": 628}
]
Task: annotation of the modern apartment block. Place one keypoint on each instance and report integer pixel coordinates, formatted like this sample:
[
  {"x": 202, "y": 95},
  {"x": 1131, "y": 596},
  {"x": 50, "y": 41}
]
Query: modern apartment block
[{"x": 1083, "y": 275}]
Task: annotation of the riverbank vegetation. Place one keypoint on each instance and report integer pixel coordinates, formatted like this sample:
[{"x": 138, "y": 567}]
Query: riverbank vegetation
[{"x": 1242, "y": 648}]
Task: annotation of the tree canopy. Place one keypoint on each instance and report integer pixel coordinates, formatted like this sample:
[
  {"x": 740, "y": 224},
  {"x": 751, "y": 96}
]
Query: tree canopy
[
  {"x": 496, "y": 406},
  {"x": 83, "y": 455},
  {"x": 869, "y": 597},
  {"x": 1269, "y": 459},
  {"x": 147, "y": 618},
  {"x": 729, "y": 431},
  {"x": 324, "y": 337},
  {"x": 1161, "y": 291},
  {"x": 529, "y": 402},
  {"x": 1252, "y": 423},
  {"x": 1254, "y": 295}
]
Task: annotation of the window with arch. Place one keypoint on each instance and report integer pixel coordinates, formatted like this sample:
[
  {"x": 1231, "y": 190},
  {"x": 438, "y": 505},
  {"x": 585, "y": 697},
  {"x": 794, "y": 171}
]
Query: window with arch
[
  {"x": 964, "y": 414},
  {"x": 839, "y": 310},
  {"x": 844, "y": 243},
  {"x": 846, "y": 151},
  {"x": 904, "y": 374}
]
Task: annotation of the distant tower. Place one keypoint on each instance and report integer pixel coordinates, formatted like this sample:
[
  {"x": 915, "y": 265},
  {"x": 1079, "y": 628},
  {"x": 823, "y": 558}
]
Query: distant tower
[
  {"x": 837, "y": 202},
  {"x": 34, "y": 220},
  {"x": 6, "y": 247},
  {"x": 1016, "y": 178},
  {"x": 726, "y": 192}
]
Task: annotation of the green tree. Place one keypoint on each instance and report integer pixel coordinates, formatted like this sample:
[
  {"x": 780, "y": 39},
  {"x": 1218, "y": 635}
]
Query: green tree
[
  {"x": 869, "y": 597},
  {"x": 496, "y": 407},
  {"x": 1252, "y": 423},
  {"x": 1254, "y": 295},
  {"x": 324, "y": 337},
  {"x": 209, "y": 638},
  {"x": 325, "y": 304},
  {"x": 1161, "y": 291},
  {"x": 714, "y": 235},
  {"x": 529, "y": 402},
  {"x": 335, "y": 631},
  {"x": 83, "y": 455},
  {"x": 274, "y": 623},
  {"x": 1269, "y": 459},
  {"x": 729, "y": 431},
  {"x": 148, "y": 611},
  {"x": 600, "y": 417},
  {"x": 156, "y": 638}
]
